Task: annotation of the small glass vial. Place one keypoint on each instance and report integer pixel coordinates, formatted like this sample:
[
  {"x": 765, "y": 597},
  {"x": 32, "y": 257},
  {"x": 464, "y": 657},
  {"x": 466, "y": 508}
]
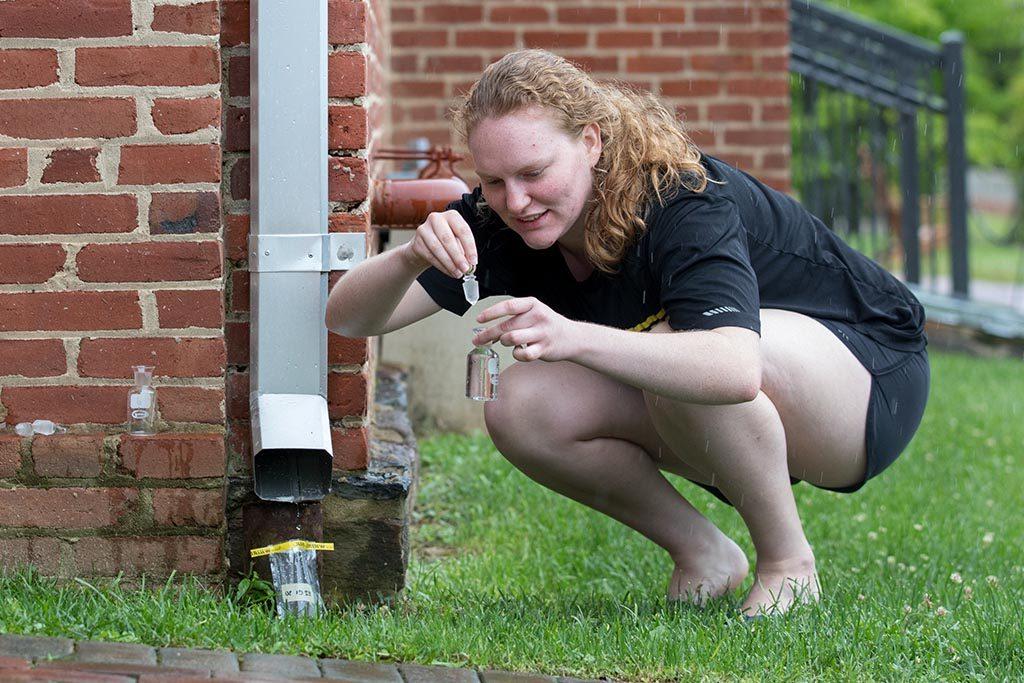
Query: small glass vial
[
  {"x": 142, "y": 402},
  {"x": 470, "y": 287},
  {"x": 481, "y": 372}
]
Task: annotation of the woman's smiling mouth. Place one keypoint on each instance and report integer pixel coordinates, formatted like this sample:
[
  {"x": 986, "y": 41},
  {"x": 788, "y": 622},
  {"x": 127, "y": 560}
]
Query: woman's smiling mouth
[{"x": 532, "y": 219}]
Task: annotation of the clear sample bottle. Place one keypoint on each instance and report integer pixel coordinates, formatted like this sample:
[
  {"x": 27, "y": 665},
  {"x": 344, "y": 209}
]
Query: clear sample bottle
[
  {"x": 481, "y": 372},
  {"x": 142, "y": 402},
  {"x": 44, "y": 427}
]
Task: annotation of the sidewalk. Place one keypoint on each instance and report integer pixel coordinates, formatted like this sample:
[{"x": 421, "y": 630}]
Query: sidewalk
[
  {"x": 61, "y": 660},
  {"x": 982, "y": 291}
]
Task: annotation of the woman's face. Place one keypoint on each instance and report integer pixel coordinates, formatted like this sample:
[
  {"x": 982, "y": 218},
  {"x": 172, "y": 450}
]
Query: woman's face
[{"x": 535, "y": 176}]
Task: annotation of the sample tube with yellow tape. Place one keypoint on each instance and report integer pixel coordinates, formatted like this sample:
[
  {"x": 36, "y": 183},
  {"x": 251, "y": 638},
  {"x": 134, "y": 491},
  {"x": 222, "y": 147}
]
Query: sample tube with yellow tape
[{"x": 293, "y": 570}]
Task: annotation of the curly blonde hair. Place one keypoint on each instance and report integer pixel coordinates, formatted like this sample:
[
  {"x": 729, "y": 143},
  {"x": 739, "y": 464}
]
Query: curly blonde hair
[{"x": 646, "y": 152}]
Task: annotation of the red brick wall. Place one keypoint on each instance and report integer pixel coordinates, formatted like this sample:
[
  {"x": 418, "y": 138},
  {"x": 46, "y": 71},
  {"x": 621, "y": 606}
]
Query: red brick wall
[
  {"x": 721, "y": 64},
  {"x": 123, "y": 225}
]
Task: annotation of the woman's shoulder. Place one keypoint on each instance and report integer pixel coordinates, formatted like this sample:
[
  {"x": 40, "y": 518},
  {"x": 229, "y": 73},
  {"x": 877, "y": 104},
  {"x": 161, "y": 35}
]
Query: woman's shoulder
[{"x": 686, "y": 204}]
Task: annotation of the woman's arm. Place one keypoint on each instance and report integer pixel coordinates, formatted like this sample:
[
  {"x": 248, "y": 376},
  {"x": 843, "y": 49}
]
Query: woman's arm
[
  {"x": 365, "y": 297},
  {"x": 364, "y": 300},
  {"x": 717, "y": 366}
]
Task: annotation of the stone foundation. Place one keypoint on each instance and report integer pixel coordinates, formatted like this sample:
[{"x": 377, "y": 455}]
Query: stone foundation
[{"x": 366, "y": 515}]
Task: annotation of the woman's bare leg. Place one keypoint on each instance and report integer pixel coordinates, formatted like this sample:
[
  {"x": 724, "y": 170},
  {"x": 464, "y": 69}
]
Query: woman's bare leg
[
  {"x": 809, "y": 420},
  {"x": 590, "y": 437}
]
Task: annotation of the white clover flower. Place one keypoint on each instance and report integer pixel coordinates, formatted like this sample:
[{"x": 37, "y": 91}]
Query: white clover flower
[
  {"x": 907, "y": 609},
  {"x": 988, "y": 537},
  {"x": 968, "y": 593},
  {"x": 872, "y": 536},
  {"x": 992, "y": 580},
  {"x": 861, "y": 596},
  {"x": 956, "y": 578},
  {"x": 941, "y": 611},
  {"x": 891, "y": 559},
  {"x": 918, "y": 527},
  {"x": 860, "y": 517}
]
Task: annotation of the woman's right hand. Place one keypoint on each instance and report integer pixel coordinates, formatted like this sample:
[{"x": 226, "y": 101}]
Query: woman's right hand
[{"x": 444, "y": 241}]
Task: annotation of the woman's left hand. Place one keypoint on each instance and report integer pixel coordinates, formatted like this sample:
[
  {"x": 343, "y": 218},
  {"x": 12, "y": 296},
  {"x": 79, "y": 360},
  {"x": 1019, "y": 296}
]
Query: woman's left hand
[{"x": 536, "y": 331}]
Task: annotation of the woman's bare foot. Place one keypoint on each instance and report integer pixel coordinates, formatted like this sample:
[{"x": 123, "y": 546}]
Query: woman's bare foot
[
  {"x": 778, "y": 586},
  {"x": 708, "y": 574}
]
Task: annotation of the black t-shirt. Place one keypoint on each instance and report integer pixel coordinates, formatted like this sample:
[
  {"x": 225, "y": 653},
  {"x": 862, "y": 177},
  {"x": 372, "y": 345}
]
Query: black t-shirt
[{"x": 706, "y": 260}]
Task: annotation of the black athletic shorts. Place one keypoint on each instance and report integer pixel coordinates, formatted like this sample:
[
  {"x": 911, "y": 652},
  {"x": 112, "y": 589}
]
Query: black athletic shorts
[{"x": 899, "y": 392}]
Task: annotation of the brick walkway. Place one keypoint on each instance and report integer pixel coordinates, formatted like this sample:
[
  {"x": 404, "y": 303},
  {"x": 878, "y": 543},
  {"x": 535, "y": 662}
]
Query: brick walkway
[{"x": 61, "y": 660}]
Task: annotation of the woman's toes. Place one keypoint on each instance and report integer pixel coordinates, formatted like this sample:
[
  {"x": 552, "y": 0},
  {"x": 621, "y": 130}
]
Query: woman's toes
[
  {"x": 709, "y": 577},
  {"x": 776, "y": 593},
  {"x": 696, "y": 590}
]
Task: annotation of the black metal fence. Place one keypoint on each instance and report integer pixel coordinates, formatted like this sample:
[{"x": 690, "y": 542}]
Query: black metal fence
[{"x": 878, "y": 141}]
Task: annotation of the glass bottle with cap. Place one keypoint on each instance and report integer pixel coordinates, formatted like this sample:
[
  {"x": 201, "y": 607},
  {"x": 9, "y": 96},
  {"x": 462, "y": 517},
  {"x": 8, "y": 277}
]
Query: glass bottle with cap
[
  {"x": 142, "y": 402},
  {"x": 481, "y": 372}
]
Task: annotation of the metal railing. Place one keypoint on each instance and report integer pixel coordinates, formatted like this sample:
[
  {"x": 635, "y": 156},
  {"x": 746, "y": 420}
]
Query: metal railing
[{"x": 878, "y": 140}]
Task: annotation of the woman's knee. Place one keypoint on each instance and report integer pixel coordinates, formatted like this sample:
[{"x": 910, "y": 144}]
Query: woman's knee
[
  {"x": 686, "y": 416},
  {"x": 521, "y": 412}
]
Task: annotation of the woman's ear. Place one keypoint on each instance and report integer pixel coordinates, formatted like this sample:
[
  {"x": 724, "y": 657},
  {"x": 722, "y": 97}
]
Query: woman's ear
[{"x": 592, "y": 141}]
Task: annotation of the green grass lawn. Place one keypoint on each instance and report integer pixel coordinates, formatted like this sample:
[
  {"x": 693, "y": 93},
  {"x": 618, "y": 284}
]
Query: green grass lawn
[{"x": 921, "y": 571}]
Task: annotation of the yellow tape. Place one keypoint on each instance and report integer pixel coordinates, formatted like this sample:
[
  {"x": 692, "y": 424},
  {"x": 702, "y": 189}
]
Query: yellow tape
[{"x": 290, "y": 545}]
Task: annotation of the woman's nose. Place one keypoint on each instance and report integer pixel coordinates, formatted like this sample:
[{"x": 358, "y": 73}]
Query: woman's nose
[{"x": 516, "y": 199}]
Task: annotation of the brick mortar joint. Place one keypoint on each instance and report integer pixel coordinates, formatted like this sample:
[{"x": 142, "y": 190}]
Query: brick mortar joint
[
  {"x": 72, "y": 91},
  {"x": 63, "y": 189},
  {"x": 50, "y": 287},
  {"x": 140, "y": 38},
  {"x": 163, "y": 382}
]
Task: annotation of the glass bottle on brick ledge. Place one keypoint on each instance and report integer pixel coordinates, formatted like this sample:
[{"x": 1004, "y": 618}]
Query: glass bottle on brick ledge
[
  {"x": 142, "y": 402},
  {"x": 481, "y": 372}
]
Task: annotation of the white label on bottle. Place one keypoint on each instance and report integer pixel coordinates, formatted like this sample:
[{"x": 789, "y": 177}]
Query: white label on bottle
[
  {"x": 140, "y": 414},
  {"x": 297, "y": 592},
  {"x": 140, "y": 401}
]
